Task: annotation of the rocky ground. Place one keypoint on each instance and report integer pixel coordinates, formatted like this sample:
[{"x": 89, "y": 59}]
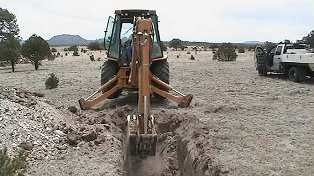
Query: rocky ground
[
  {"x": 59, "y": 143},
  {"x": 238, "y": 123}
]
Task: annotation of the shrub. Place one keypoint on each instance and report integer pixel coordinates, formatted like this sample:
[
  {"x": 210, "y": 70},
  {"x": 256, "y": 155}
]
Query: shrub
[
  {"x": 83, "y": 50},
  {"x": 215, "y": 56},
  {"x": 73, "y": 109},
  {"x": 92, "y": 58},
  {"x": 309, "y": 39},
  {"x": 226, "y": 52},
  {"x": 73, "y": 48},
  {"x": 52, "y": 81},
  {"x": 176, "y": 43},
  {"x": 192, "y": 57},
  {"x": 51, "y": 57},
  {"x": 66, "y": 54},
  {"x": 241, "y": 50},
  {"x": 94, "y": 46},
  {"x": 15, "y": 166},
  {"x": 268, "y": 46},
  {"x": 3, "y": 64},
  {"x": 53, "y": 50},
  {"x": 75, "y": 53}
]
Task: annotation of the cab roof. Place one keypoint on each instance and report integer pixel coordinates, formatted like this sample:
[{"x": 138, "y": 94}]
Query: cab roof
[{"x": 135, "y": 12}]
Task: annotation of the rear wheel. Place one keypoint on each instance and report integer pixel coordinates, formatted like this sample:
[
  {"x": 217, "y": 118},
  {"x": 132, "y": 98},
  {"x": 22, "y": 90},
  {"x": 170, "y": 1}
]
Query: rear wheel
[
  {"x": 296, "y": 74},
  {"x": 108, "y": 71},
  {"x": 161, "y": 70}
]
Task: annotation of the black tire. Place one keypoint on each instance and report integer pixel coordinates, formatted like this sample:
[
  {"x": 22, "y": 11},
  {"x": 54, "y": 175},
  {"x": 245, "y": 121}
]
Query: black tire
[
  {"x": 161, "y": 70},
  {"x": 296, "y": 74},
  {"x": 108, "y": 71}
]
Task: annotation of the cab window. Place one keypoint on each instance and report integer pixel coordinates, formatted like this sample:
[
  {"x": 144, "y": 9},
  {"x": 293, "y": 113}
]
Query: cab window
[
  {"x": 156, "y": 50},
  {"x": 114, "y": 44},
  {"x": 108, "y": 31},
  {"x": 278, "y": 50}
]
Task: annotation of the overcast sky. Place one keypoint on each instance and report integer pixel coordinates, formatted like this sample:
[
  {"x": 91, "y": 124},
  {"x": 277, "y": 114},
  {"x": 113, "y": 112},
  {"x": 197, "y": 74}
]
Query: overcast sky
[{"x": 194, "y": 20}]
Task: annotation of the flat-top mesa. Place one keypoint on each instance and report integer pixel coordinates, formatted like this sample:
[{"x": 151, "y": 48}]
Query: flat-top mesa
[{"x": 136, "y": 62}]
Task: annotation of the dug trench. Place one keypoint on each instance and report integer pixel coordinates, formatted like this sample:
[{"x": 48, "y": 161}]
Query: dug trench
[
  {"x": 93, "y": 143},
  {"x": 184, "y": 148}
]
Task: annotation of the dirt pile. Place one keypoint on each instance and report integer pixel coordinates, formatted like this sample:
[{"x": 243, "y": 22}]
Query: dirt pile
[
  {"x": 61, "y": 143},
  {"x": 30, "y": 123}
]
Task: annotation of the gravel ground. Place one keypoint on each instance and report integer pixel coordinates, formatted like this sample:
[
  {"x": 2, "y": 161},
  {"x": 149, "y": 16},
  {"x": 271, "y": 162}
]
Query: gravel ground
[
  {"x": 260, "y": 125},
  {"x": 264, "y": 124},
  {"x": 59, "y": 143}
]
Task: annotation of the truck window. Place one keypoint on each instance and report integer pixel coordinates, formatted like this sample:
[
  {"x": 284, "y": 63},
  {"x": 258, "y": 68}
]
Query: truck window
[{"x": 278, "y": 50}]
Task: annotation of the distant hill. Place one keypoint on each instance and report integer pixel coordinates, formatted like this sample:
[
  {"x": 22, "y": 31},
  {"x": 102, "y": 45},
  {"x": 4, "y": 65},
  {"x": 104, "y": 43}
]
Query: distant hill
[
  {"x": 67, "y": 40},
  {"x": 252, "y": 42}
]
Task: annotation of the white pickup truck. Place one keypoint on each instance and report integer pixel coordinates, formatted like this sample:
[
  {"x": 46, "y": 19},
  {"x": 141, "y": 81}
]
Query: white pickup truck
[{"x": 292, "y": 59}]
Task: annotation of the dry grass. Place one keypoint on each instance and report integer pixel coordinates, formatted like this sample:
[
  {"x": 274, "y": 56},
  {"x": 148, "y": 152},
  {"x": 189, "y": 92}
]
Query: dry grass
[{"x": 14, "y": 166}]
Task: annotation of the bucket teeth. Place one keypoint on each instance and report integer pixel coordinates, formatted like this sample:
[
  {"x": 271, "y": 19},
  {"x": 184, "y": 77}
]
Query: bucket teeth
[{"x": 141, "y": 144}]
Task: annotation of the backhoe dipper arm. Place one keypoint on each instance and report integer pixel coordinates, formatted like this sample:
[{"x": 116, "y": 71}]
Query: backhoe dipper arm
[{"x": 144, "y": 31}]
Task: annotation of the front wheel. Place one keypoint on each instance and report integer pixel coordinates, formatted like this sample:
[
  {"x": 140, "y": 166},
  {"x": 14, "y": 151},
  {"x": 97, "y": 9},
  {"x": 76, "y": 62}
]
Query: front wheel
[{"x": 296, "y": 74}]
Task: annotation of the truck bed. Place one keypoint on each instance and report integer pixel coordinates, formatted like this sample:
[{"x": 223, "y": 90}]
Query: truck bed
[{"x": 307, "y": 58}]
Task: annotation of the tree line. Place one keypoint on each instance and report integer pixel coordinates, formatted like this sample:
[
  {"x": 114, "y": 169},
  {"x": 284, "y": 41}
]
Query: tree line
[
  {"x": 309, "y": 39},
  {"x": 180, "y": 44}
]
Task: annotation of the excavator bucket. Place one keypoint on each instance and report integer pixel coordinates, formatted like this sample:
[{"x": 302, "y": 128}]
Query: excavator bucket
[{"x": 140, "y": 144}]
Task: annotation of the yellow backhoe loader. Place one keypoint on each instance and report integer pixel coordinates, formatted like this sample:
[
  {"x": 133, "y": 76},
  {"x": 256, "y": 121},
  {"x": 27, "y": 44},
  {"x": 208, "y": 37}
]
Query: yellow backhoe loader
[{"x": 136, "y": 62}]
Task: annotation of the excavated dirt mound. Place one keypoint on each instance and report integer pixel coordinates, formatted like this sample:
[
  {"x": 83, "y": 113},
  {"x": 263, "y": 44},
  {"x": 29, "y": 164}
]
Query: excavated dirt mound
[{"x": 60, "y": 143}]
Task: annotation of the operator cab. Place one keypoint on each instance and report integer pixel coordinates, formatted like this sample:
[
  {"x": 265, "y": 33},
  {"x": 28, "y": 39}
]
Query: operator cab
[{"x": 119, "y": 35}]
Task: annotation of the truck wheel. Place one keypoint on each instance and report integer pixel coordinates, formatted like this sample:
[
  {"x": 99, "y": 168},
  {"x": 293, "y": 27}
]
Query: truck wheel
[
  {"x": 161, "y": 70},
  {"x": 108, "y": 71},
  {"x": 262, "y": 72},
  {"x": 296, "y": 74}
]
